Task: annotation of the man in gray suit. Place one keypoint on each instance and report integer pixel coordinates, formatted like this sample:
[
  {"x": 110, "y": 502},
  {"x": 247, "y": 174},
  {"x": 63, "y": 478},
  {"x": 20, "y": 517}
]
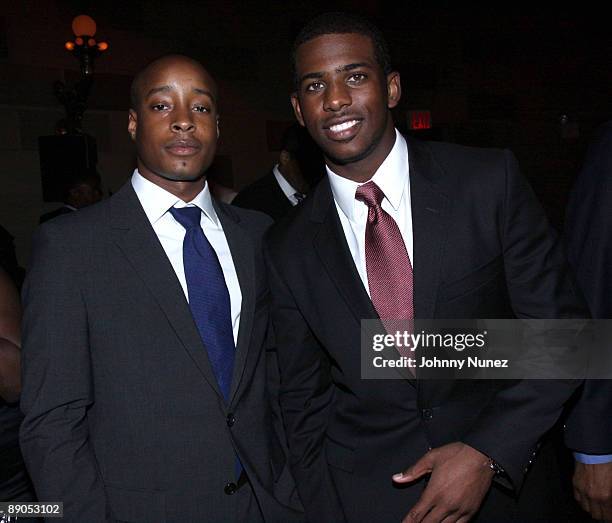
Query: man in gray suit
[{"x": 145, "y": 320}]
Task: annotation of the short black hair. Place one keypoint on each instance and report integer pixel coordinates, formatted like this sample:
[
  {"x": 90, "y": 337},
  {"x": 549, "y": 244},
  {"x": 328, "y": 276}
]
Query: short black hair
[{"x": 342, "y": 23}]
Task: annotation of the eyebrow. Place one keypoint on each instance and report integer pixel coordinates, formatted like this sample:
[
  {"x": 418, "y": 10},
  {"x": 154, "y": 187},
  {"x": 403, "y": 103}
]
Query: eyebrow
[
  {"x": 342, "y": 69},
  {"x": 165, "y": 88}
]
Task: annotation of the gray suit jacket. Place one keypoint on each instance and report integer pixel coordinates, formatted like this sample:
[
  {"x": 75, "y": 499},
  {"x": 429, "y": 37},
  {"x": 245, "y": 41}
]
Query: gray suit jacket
[{"x": 123, "y": 416}]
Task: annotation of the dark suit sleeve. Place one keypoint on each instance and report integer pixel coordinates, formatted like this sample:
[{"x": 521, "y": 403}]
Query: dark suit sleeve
[
  {"x": 539, "y": 286},
  {"x": 306, "y": 397},
  {"x": 588, "y": 427},
  {"x": 57, "y": 382},
  {"x": 588, "y": 231}
]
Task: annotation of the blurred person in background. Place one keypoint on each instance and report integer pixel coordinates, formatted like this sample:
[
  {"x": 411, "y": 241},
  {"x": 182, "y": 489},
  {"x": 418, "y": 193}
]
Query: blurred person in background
[
  {"x": 300, "y": 166},
  {"x": 15, "y": 484},
  {"x": 588, "y": 428},
  {"x": 80, "y": 191}
]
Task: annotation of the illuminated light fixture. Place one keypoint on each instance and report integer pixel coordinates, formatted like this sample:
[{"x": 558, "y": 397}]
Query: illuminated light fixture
[
  {"x": 85, "y": 47},
  {"x": 84, "y": 25},
  {"x": 74, "y": 97}
]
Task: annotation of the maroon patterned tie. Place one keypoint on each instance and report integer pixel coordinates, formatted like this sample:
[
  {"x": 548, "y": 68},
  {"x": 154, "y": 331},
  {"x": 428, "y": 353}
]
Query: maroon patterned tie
[{"x": 387, "y": 264}]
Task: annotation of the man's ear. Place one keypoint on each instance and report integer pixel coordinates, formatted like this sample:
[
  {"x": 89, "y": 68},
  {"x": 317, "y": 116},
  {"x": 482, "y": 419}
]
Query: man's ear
[
  {"x": 132, "y": 123},
  {"x": 297, "y": 110},
  {"x": 394, "y": 89},
  {"x": 218, "y": 132}
]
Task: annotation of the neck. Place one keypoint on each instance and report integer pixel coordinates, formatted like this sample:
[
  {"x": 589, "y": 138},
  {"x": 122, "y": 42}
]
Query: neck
[
  {"x": 186, "y": 190},
  {"x": 362, "y": 169}
]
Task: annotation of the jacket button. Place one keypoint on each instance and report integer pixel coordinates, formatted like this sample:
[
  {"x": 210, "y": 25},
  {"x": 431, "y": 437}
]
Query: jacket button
[
  {"x": 230, "y": 489},
  {"x": 231, "y": 419},
  {"x": 427, "y": 414}
]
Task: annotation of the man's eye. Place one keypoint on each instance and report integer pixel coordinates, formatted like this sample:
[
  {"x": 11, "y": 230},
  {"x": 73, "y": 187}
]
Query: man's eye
[
  {"x": 201, "y": 109},
  {"x": 356, "y": 78},
  {"x": 159, "y": 107},
  {"x": 314, "y": 86}
]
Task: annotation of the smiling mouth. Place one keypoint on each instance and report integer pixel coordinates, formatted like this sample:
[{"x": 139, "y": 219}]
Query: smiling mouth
[
  {"x": 343, "y": 126},
  {"x": 344, "y": 130}
]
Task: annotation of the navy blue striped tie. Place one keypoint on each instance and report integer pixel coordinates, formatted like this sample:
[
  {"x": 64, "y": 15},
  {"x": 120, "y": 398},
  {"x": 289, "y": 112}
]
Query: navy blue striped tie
[{"x": 209, "y": 299}]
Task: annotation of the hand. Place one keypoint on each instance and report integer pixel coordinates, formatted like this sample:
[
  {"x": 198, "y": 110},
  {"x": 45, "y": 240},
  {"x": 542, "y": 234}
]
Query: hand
[
  {"x": 593, "y": 489},
  {"x": 460, "y": 478}
]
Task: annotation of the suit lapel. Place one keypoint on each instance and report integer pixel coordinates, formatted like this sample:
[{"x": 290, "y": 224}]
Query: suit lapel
[
  {"x": 241, "y": 247},
  {"x": 134, "y": 235},
  {"x": 429, "y": 226},
  {"x": 331, "y": 247}
]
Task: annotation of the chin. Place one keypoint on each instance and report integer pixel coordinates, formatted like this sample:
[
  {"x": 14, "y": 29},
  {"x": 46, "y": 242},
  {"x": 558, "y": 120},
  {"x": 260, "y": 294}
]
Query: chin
[
  {"x": 347, "y": 157},
  {"x": 184, "y": 176}
]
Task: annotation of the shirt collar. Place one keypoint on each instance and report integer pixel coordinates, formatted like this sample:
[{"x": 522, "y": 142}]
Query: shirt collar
[
  {"x": 157, "y": 201},
  {"x": 285, "y": 186},
  {"x": 391, "y": 177}
]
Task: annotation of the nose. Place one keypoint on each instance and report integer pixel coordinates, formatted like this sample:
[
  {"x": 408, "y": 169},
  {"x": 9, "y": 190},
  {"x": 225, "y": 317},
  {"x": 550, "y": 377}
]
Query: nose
[
  {"x": 183, "y": 122},
  {"x": 337, "y": 96}
]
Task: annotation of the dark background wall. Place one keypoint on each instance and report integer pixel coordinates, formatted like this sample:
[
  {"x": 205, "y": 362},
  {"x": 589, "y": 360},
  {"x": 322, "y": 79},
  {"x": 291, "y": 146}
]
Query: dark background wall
[{"x": 531, "y": 78}]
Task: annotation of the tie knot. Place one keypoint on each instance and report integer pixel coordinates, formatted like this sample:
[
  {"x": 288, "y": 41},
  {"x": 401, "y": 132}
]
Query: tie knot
[
  {"x": 370, "y": 194},
  {"x": 188, "y": 217}
]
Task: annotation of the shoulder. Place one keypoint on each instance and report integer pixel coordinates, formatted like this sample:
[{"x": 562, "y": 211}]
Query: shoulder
[
  {"x": 459, "y": 169},
  {"x": 458, "y": 158},
  {"x": 53, "y": 214},
  {"x": 68, "y": 244},
  {"x": 255, "y": 222},
  {"x": 77, "y": 224}
]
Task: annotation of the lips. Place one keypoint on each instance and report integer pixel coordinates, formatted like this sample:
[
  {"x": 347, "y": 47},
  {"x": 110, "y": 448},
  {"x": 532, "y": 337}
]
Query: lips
[
  {"x": 342, "y": 129},
  {"x": 186, "y": 147}
]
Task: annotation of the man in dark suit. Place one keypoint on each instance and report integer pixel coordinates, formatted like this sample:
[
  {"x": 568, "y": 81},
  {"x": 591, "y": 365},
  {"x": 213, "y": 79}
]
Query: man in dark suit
[
  {"x": 589, "y": 235},
  {"x": 80, "y": 191},
  {"x": 145, "y": 318},
  {"x": 299, "y": 166},
  {"x": 404, "y": 230}
]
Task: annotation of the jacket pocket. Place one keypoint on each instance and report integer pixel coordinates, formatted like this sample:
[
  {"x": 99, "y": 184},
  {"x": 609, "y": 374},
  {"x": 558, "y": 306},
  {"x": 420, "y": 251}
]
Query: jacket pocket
[
  {"x": 339, "y": 456},
  {"x": 136, "y": 506},
  {"x": 472, "y": 281}
]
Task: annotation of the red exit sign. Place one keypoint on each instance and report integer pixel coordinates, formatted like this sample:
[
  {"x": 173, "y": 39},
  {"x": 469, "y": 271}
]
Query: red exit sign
[{"x": 420, "y": 119}]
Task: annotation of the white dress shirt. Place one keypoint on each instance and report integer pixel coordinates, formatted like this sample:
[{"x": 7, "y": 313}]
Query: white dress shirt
[
  {"x": 156, "y": 203},
  {"x": 393, "y": 178},
  {"x": 285, "y": 186}
]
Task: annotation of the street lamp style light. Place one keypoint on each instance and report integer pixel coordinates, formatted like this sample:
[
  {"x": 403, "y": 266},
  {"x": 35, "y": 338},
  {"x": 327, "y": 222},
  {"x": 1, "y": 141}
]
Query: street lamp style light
[
  {"x": 85, "y": 47},
  {"x": 71, "y": 151},
  {"x": 74, "y": 99}
]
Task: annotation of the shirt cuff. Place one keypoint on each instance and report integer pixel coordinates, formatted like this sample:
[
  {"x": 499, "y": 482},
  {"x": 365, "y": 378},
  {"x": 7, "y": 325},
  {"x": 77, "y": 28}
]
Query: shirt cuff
[{"x": 592, "y": 459}]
